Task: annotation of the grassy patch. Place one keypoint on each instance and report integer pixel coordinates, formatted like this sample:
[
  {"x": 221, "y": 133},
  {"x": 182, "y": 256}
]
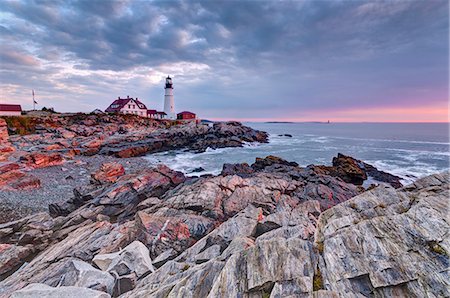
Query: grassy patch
[
  {"x": 21, "y": 125},
  {"x": 318, "y": 280},
  {"x": 186, "y": 267},
  {"x": 435, "y": 247},
  {"x": 320, "y": 247}
]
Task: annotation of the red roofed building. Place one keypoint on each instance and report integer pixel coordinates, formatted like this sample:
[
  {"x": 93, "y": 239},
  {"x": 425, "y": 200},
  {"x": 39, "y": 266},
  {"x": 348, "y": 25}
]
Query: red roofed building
[
  {"x": 128, "y": 105},
  {"x": 186, "y": 115},
  {"x": 10, "y": 110}
]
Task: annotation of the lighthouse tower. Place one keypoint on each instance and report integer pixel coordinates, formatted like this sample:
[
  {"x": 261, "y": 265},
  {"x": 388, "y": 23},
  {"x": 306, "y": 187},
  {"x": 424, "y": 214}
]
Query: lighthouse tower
[{"x": 169, "y": 104}]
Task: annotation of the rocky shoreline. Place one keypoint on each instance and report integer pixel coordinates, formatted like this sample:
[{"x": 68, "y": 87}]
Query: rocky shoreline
[
  {"x": 56, "y": 153},
  {"x": 269, "y": 229}
]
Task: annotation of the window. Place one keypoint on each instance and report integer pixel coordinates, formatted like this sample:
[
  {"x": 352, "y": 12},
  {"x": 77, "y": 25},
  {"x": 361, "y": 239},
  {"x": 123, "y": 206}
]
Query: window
[
  {"x": 134, "y": 106},
  {"x": 129, "y": 106}
]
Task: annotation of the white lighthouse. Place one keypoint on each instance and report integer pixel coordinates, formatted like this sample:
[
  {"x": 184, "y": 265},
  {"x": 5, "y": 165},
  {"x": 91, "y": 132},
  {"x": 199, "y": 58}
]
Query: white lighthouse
[{"x": 169, "y": 103}]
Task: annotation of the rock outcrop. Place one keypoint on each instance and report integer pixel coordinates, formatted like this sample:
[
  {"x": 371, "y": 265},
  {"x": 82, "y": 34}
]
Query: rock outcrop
[
  {"x": 108, "y": 173},
  {"x": 355, "y": 171},
  {"x": 122, "y": 136},
  {"x": 192, "y": 136}
]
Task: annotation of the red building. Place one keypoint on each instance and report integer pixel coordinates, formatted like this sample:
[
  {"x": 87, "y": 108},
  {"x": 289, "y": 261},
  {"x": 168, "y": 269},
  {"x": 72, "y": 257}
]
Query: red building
[
  {"x": 186, "y": 115},
  {"x": 10, "y": 110}
]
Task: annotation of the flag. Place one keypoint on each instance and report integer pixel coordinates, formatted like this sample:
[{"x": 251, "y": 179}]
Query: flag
[{"x": 34, "y": 101}]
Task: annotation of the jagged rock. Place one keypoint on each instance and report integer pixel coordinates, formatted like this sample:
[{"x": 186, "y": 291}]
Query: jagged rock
[
  {"x": 81, "y": 243},
  {"x": 121, "y": 199},
  {"x": 82, "y": 274},
  {"x": 168, "y": 228},
  {"x": 388, "y": 243},
  {"x": 124, "y": 283},
  {"x": 126, "y": 266},
  {"x": 242, "y": 169},
  {"x": 197, "y": 170},
  {"x": 355, "y": 171},
  {"x": 255, "y": 270},
  {"x": 108, "y": 173},
  {"x": 45, "y": 291},
  {"x": 134, "y": 258},
  {"x": 164, "y": 257},
  {"x": 18, "y": 180},
  {"x": 41, "y": 160},
  {"x": 208, "y": 254},
  {"x": 262, "y": 163},
  {"x": 12, "y": 256}
]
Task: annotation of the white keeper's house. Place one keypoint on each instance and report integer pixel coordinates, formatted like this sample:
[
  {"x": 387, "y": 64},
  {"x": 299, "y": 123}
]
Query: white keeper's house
[{"x": 128, "y": 105}]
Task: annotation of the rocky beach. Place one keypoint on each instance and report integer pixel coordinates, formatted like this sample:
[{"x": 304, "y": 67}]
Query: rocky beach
[{"x": 82, "y": 213}]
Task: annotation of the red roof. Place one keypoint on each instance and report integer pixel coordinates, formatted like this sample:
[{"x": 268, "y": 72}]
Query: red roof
[
  {"x": 161, "y": 113},
  {"x": 186, "y": 113},
  {"x": 151, "y": 112},
  {"x": 10, "y": 108},
  {"x": 119, "y": 103},
  {"x": 140, "y": 104}
]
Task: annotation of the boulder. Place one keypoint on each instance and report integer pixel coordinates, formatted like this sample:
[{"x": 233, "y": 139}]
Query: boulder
[
  {"x": 18, "y": 180},
  {"x": 82, "y": 274},
  {"x": 355, "y": 171},
  {"x": 42, "y": 160},
  {"x": 108, "y": 173},
  {"x": 45, "y": 291},
  {"x": 134, "y": 258},
  {"x": 349, "y": 169},
  {"x": 243, "y": 169},
  {"x": 12, "y": 256},
  {"x": 126, "y": 266},
  {"x": 262, "y": 163}
]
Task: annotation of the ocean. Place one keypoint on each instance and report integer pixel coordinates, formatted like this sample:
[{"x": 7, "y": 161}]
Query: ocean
[{"x": 409, "y": 150}]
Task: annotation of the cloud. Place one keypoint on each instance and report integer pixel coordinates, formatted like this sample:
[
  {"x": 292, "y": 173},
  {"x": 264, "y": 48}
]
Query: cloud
[{"x": 228, "y": 58}]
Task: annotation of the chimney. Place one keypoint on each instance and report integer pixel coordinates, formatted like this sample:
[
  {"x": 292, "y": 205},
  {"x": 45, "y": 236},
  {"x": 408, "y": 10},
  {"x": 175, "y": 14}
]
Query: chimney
[
  {"x": 118, "y": 97},
  {"x": 128, "y": 97}
]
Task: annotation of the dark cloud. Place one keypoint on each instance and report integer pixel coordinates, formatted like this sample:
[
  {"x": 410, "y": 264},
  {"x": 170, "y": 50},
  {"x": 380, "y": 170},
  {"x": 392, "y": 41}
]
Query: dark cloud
[{"x": 260, "y": 56}]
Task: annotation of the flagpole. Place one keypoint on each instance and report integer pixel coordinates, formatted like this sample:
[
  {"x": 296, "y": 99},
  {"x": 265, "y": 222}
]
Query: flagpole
[{"x": 34, "y": 102}]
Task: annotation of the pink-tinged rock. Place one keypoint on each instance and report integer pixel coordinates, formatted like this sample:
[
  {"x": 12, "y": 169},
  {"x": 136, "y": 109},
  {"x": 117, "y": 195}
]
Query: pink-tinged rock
[
  {"x": 179, "y": 231},
  {"x": 51, "y": 147},
  {"x": 175, "y": 177},
  {"x": 12, "y": 256},
  {"x": 18, "y": 180},
  {"x": 108, "y": 172},
  {"x": 41, "y": 160},
  {"x": 94, "y": 143},
  {"x": 8, "y": 167}
]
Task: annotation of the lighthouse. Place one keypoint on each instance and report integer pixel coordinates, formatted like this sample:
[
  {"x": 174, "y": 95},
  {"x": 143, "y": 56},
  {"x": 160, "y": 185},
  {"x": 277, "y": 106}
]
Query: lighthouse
[{"x": 169, "y": 104}]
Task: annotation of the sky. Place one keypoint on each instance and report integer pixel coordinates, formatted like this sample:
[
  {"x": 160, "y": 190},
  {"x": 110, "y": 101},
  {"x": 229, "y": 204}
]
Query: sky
[{"x": 381, "y": 61}]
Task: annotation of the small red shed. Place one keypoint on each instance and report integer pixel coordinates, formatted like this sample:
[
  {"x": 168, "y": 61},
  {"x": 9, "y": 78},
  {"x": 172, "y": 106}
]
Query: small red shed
[
  {"x": 186, "y": 115},
  {"x": 10, "y": 110}
]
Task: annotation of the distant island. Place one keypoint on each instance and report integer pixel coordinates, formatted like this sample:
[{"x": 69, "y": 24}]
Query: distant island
[{"x": 280, "y": 122}]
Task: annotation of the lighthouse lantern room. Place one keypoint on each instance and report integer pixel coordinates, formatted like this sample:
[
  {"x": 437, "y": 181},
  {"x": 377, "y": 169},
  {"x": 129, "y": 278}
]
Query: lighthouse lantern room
[{"x": 169, "y": 104}]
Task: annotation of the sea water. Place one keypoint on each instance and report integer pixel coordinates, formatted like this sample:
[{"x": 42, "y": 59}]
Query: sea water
[{"x": 409, "y": 150}]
